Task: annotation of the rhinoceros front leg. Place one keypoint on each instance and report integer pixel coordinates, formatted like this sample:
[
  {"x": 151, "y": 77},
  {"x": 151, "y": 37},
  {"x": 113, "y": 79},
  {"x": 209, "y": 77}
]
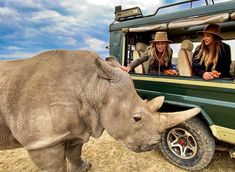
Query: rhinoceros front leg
[
  {"x": 73, "y": 154},
  {"x": 50, "y": 159}
]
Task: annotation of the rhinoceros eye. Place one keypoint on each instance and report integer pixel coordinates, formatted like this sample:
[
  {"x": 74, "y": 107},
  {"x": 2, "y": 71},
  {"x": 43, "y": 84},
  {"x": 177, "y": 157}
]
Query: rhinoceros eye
[{"x": 136, "y": 118}]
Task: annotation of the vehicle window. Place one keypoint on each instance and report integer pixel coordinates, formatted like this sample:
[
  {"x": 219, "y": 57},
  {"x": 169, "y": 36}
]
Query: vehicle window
[{"x": 138, "y": 42}]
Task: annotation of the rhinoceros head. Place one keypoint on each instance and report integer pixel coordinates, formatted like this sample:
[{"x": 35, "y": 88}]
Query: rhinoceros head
[{"x": 132, "y": 121}]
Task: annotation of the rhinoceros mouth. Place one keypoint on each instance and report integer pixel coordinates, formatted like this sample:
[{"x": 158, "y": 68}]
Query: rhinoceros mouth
[{"x": 142, "y": 148}]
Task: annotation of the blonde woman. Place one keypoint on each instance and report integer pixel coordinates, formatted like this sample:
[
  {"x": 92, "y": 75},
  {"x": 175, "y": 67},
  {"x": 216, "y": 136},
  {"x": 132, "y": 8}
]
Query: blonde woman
[
  {"x": 159, "y": 55},
  {"x": 212, "y": 58}
]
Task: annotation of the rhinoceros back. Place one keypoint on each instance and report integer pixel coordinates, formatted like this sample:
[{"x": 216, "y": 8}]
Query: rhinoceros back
[{"x": 36, "y": 93}]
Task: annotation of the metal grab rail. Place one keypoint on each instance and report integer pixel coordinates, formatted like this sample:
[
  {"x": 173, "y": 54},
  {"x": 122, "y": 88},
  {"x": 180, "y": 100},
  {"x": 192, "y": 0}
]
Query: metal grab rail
[{"x": 180, "y": 3}]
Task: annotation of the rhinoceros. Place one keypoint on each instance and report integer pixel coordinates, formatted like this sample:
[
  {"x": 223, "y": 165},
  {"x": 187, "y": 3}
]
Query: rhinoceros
[{"x": 53, "y": 103}]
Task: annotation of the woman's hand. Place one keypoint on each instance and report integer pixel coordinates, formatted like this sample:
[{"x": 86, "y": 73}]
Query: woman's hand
[
  {"x": 211, "y": 75},
  {"x": 170, "y": 72},
  {"x": 208, "y": 76},
  {"x": 173, "y": 71},
  {"x": 126, "y": 68},
  {"x": 216, "y": 74}
]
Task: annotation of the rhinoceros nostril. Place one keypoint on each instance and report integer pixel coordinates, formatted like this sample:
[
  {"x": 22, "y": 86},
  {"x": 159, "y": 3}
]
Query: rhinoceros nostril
[{"x": 137, "y": 119}]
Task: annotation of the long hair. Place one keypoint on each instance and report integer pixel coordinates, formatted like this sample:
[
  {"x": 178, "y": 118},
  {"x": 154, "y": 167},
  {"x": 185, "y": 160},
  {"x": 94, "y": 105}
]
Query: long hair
[
  {"x": 153, "y": 54},
  {"x": 208, "y": 56}
]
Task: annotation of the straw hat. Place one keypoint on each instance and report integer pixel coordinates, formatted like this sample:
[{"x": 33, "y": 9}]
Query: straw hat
[
  {"x": 213, "y": 29},
  {"x": 161, "y": 37}
]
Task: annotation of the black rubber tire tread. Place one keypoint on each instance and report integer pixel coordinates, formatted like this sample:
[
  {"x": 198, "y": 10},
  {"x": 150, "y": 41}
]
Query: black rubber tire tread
[{"x": 205, "y": 142}]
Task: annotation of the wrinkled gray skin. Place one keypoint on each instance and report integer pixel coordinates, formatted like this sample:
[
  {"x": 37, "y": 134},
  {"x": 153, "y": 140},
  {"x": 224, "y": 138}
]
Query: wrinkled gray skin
[{"x": 52, "y": 103}]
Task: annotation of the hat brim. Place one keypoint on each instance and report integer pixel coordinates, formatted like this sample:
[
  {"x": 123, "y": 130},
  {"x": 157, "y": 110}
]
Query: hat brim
[
  {"x": 202, "y": 32},
  {"x": 168, "y": 41}
]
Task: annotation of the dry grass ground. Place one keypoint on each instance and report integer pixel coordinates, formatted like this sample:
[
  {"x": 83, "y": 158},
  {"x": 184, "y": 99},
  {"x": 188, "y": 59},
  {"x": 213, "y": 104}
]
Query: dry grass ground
[{"x": 107, "y": 155}]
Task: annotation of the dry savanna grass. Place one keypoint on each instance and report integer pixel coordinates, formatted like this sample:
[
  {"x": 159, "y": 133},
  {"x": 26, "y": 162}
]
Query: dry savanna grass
[{"x": 107, "y": 155}]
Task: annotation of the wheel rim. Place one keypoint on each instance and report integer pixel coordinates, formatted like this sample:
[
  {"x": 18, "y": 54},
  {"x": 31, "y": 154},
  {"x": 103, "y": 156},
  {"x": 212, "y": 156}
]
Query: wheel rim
[{"x": 182, "y": 143}]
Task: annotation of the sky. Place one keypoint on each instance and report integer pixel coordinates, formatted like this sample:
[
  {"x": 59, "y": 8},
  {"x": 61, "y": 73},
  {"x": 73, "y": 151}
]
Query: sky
[{"x": 28, "y": 27}]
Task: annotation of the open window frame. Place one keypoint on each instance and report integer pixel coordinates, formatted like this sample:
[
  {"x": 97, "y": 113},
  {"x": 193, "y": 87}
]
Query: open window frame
[{"x": 178, "y": 31}]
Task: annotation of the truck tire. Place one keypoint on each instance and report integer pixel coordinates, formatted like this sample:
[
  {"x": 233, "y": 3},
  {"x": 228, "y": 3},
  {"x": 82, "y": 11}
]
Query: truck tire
[{"x": 189, "y": 145}]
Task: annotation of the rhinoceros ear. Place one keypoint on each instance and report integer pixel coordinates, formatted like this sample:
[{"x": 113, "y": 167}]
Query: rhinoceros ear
[
  {"x": 113, "y": 61},
  {"x": 168, "y": 120},
  {"x": 104, "y": 70},
  {"x": 155, "y": 103}
]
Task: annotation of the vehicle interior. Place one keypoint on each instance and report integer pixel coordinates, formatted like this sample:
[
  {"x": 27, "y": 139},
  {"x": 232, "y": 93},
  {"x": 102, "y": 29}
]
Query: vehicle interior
[{"x": 183, "y": 33}]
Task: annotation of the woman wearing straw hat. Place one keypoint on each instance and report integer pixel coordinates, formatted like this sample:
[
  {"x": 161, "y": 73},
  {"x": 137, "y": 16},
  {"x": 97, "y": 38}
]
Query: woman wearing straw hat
[
  {"x": 212, "y": 58},
  {"x": 159, "y": 55}
]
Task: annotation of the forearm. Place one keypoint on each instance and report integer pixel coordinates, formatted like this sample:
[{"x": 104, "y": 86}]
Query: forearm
[{"x": 138, "y": 61}]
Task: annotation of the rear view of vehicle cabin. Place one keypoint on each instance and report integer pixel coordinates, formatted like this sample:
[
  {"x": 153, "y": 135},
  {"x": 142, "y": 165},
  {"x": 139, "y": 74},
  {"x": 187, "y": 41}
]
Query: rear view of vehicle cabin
[{"x": 190, "y": 145}]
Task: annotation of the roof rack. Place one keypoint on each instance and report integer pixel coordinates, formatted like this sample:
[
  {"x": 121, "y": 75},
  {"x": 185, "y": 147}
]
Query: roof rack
[
  {"x": 135, "y": 12},
  {"x": 211, "y": 1},
  {"x": 180, "y": 3}
]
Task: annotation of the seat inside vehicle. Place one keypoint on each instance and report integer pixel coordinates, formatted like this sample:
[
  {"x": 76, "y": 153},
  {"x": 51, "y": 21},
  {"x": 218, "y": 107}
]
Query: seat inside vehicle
[
  {"x": 137, "y": 53},
  {"x": 185, "y": 58},
  {"x": 232, "y": 68}
]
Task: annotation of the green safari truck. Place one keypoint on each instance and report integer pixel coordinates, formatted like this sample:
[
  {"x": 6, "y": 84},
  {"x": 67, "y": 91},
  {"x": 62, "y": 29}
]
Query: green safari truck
[{"x": 190, "y": 145}]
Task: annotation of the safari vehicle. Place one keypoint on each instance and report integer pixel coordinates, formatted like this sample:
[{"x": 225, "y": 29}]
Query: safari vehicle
[{"x": 190, "y": 145}]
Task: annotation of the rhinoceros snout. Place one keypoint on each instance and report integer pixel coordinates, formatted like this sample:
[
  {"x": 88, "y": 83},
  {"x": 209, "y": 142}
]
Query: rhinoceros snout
[{"x": 147, "y": 144}]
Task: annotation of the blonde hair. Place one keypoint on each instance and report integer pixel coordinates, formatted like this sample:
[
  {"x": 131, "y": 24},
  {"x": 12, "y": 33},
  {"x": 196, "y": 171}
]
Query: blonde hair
[
  {"x": 153, "y": 54},
  {"x": 208, "y": 56}
]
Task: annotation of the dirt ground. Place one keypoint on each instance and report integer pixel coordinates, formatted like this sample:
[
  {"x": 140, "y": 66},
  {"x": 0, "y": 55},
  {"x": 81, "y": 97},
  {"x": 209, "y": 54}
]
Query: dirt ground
[{"x": 107, "y": 155}]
